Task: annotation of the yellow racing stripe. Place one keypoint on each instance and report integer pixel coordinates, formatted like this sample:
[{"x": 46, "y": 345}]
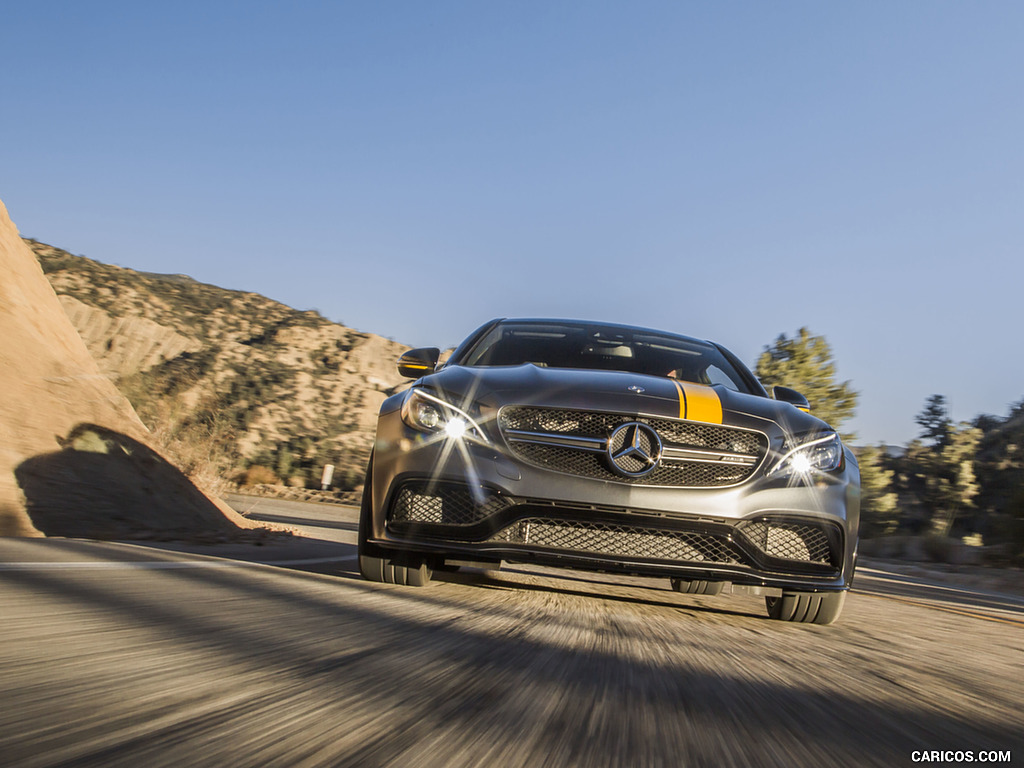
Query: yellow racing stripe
[{"x": 698, "y": 403}]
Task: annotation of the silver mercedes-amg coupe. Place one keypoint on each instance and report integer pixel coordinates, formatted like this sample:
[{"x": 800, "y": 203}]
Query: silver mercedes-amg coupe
[{"x": 614, "y": 449}]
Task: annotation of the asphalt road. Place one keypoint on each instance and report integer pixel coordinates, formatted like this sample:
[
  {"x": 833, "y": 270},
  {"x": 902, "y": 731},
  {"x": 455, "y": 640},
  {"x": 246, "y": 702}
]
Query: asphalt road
[{"x": 162, "y": 655}]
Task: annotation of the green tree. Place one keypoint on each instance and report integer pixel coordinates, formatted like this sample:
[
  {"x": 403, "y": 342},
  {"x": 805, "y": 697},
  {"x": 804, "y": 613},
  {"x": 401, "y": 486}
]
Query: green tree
[
  {"x": 879, "y": 510},
  {"x": 944, "y": 468},
  {"x": 804, "y": 363},
  {"x": 954, "y": 485},
  {"x": 999, "y": 464},
  {"x": 934, "y": 421}
]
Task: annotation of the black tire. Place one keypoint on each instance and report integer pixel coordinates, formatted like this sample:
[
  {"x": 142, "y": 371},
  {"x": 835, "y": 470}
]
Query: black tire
[
  {"x": 407, "y": 571},
  {"x": 372, "y": 568},
  {"x": 831, "y": 608},
  {"x": 806, "y": 607},
  {"x": 371, "y": 558},
  {"x": 376, "y": 564},
  {"x": 417, "y": 575},
  {"x": 698, "y": 587}
]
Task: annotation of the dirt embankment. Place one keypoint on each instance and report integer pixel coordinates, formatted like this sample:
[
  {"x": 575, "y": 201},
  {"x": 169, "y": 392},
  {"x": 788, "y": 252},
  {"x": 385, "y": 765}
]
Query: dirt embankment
[{"x": 74, "y": 457}]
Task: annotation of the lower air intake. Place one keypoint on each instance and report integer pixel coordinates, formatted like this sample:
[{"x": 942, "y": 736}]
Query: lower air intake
[
  {"x": 619, "y": 540},
  {"x": 443, "y": 504},
  {"x": 805, "y": 543}
]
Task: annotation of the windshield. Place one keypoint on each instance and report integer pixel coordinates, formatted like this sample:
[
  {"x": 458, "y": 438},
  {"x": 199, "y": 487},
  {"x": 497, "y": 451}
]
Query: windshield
[{"x": 603, "y": 348}]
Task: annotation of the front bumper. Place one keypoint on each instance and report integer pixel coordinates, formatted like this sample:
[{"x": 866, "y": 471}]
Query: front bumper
[{"x": 472, "y": 502}]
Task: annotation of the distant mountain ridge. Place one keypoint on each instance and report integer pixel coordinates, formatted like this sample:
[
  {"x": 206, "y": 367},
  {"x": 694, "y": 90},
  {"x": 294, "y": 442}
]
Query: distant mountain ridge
[{"x": 262, "y": 383}]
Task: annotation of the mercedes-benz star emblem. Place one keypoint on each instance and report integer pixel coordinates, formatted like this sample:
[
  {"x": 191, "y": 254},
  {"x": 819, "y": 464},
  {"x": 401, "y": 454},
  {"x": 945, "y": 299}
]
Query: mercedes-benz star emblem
[{"x": 634, "y": 449}]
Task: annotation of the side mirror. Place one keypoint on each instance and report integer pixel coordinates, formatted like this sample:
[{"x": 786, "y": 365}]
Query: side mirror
[
  {"x": 417, "y": 363},
  {"x": 791, "y": 396}
]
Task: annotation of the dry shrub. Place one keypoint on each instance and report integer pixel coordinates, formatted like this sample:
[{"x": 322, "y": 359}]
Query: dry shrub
[
  {"x": 201, "y": 459},
  {"x": 257, "y": 475},
  {"x": 201, "y": 448}
]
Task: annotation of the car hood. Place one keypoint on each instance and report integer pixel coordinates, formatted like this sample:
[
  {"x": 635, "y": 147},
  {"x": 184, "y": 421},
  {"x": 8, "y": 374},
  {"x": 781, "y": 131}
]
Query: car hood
[{"x": 617, "y": 392}]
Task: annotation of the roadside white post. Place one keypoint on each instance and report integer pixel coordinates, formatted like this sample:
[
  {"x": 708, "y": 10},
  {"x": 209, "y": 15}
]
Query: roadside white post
[{"x": 328, "y": 475}]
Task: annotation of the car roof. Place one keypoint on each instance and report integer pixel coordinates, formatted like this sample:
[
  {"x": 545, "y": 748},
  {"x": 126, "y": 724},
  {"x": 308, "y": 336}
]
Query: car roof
[{"x": 577, "y": 321}]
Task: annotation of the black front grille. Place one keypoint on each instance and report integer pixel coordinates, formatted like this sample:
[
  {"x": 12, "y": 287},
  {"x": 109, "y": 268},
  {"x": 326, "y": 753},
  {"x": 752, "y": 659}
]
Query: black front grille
[
  {"x": 690, "y": 434},
  {"x": 589, "y": 464},
  {"x": 619, "y": 540},
  {"x": 803, "y": 542},
  {"x": 746, "y": 448}
]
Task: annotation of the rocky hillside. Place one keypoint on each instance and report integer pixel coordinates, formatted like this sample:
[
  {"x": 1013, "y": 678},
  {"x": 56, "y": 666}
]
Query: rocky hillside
[
  {"x": 244, "y": 380},
  {"x": 75, "y": 460}
]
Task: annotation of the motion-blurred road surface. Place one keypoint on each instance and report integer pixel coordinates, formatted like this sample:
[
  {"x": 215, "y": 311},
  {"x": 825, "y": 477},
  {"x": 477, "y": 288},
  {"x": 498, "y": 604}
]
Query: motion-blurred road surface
[{"x": 281, "y": 655}]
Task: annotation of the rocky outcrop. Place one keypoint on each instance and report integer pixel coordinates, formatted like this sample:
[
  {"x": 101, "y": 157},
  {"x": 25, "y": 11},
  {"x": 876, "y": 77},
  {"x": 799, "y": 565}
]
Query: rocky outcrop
[{"x": 72, "y": 448}]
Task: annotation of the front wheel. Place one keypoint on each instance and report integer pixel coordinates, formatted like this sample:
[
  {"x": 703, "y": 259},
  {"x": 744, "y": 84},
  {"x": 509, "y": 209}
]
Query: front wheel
[
  {"x": 376, "y": 564},
  {"x": 389, "y": 570},
  {"x": 806, "y": 607}
]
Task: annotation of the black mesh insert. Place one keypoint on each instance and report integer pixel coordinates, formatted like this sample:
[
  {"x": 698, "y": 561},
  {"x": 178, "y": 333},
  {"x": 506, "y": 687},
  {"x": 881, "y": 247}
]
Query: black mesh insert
[
  {"x": 690, "y": 434},
  {"x": 560, "y": 421},
  {"x": 588, "y": 464},
  {"x": 443, "y": 504},
  {"x": 789, "y": 541},
  {"x": 684, "y": 434},
  {"x": 620, "y": 540}
]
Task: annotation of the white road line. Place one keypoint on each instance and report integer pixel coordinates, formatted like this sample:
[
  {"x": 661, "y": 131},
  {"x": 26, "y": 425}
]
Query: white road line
[
  {"x": 167, "y": 565},
  {"x": 923, "y": 581}
]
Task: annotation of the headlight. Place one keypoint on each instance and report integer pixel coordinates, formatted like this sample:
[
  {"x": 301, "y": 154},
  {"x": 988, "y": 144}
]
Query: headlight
[
  {"x": 819, "y": 454},
  {"x": 425, "y": 412}
]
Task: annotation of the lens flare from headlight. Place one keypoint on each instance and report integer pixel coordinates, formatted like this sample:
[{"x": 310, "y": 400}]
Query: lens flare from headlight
[
  {"x": 801, "y": 463},
  {"x": 456, "y": 428}
]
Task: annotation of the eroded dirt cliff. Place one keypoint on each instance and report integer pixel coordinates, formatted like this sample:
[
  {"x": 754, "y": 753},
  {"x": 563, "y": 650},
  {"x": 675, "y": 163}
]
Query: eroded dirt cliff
[{"x": 75, "y": 459}]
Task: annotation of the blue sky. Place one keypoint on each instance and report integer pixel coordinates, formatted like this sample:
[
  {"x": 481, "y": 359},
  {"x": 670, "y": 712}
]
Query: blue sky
[{"x": 730, "y": 170}]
